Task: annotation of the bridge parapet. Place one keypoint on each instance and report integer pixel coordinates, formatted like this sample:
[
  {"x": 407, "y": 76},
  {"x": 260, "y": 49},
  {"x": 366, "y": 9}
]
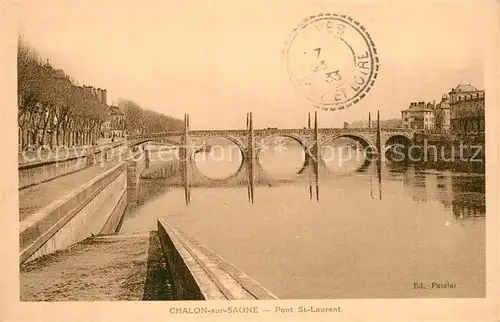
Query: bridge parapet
[
  {"x": 269, "y": 132},
  {"x": 136, "y": 137},
  {"x": 367, "y": 136},
  {"x": 197, "y": 133}
]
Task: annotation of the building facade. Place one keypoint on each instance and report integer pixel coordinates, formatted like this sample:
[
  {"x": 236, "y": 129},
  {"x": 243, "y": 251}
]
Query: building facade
[
  {"x": 442, "y": 115},
  {"x": 99, "y": 94},
  {"x": 106, "y": 126},
  {"x": 419, "y": 116},
  {"x": 116, "y": 122},
  {"x": 466, "y": 110}
]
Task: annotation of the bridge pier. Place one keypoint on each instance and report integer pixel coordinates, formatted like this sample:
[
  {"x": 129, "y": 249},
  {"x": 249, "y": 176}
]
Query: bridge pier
[
  {"x": 185, "y": 155},
  {"x": 250, "y": 158},
  {"x": 147, "y": 157},
  {"x": 317, "y": 154}
]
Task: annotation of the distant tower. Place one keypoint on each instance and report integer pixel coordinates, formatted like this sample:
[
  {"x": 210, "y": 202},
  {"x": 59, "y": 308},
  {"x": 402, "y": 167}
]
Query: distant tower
[{"x": 104, "y": 97}]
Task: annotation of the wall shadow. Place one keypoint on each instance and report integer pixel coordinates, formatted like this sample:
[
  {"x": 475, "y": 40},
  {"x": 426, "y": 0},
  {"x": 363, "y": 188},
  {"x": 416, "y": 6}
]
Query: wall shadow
[{"x": 159, "y": 284}]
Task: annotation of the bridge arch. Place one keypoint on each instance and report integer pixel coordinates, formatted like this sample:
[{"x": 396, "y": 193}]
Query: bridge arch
[
  {"x": 398, "y": 139},
  {"x": 166, "y": 141},
  {"x": 396, "y": 147},
  {"x": 241, "y": 150},
  {"x": 159, "y": 140},
  {"x": 358, "y": 137},
  {"x": 367, "y": 144},
  {"x": 234, "y": 140},
  {"x": 296, "y": 138}
]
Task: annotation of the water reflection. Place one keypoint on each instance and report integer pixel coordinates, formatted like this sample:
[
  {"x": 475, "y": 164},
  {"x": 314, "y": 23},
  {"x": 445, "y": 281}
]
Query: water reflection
[
  {"x": 371, "y": 235},
  {"x": 281, "y": 156},
  {"x": 461, "y": 194},
  {"x": 343, "y": 155},
  {"x": 218, "y": 158}
]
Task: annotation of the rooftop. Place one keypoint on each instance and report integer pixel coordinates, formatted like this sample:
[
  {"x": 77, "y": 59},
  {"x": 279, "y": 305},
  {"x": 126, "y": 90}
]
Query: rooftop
[
  {"x": 418, "y": 108},
  {"x": 115, "y": 110},
  {"x": 465, "y": 88},
  {"x": 445, "y": 103}
]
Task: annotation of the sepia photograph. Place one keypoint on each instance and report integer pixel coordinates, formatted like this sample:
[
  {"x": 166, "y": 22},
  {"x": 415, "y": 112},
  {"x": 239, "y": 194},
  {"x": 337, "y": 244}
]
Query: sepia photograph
[{"x": 174, "y": 151}]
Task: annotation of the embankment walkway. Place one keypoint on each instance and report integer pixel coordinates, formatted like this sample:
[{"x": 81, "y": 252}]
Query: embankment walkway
[{"x": 36, "y": 197}]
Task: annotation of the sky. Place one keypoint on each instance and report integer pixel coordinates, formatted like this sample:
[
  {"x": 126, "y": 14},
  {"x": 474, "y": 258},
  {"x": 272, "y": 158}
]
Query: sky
[{"x": 218, "y": 60}]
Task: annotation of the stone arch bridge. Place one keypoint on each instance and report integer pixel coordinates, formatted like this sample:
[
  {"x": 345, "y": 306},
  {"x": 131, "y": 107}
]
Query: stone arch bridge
[
  {"x": 250, "y": 142},
  {"x": 367, "y": 137}
]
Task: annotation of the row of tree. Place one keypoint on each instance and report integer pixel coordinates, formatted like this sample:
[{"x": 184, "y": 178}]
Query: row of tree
[
  {"x": 52, "y": 110},
  {"x": 139, "y": 120}
]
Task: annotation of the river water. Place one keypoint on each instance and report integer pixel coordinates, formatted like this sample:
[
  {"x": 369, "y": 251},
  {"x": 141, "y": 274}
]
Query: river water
[{"x": 364, "y": 238}]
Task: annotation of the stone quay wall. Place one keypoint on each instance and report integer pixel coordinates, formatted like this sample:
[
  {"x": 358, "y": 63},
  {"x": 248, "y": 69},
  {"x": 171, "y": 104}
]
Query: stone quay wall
[
  {"x": 162, "y": 163},
  {"x": 58, "y": 163},
  {"x": 136, "y": 165},
  {"x": 92, "y": 209}
]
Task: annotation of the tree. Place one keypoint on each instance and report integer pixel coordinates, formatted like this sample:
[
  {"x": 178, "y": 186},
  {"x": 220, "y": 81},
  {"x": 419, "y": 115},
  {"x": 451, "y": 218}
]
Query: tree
[
  {"x": 134, "y": 120},
  {"x": 69, "y": 95},
  {"x": 53, "y": 108},
  {"x": 31, "y": 84},
  {"x": 139, "y": 120}
]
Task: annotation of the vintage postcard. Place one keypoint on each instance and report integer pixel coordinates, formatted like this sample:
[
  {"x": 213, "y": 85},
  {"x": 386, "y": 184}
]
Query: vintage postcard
[{"x": 331, "y": 160}]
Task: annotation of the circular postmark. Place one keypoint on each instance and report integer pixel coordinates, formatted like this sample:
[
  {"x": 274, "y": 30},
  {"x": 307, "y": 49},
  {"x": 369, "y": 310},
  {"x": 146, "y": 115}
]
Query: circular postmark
[{"x": 332, "y": 60}]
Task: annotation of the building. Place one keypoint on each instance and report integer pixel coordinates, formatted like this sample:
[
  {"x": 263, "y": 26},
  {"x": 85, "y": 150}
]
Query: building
[
  {"x": 117, "y": 122},
  {"x": 99, "y": 94},
  {"x": 419, "y": 116},
  {"x": 442, "y": 115},
  {"x": 106, "y": 126},
  {"x": 466, "y": 110}
]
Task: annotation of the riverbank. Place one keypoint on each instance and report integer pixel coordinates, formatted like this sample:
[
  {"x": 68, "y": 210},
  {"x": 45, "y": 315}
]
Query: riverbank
[
  {"x": 443, "y": 153},
  {"x": 128, "y": 267}
]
